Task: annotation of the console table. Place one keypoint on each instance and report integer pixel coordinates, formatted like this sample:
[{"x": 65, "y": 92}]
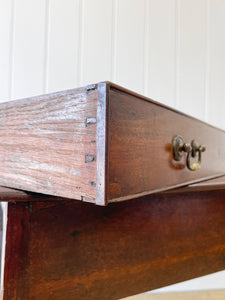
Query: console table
[{"x": 109, "y": 194}]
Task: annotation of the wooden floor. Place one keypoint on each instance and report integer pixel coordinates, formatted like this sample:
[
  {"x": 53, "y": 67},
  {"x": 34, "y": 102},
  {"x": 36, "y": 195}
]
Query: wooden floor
[{"x": 200, "y": 295}]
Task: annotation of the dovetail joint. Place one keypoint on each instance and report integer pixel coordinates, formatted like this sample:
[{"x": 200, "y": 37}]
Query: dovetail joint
[
  {"x": 90, "y": 158},
  {"x": 92, "y": 183},
  {"x": 90, "y": 121},
  {"x": 90, "y": 87}
]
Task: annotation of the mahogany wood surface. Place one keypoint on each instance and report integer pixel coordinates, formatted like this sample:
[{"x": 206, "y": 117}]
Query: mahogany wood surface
[
  {"x": 206, "y": 185},
  {"x": 48, "y": 143},
  {"x": 13, "y": 195},
  {"x": 74, "y": 250},
  {"x": 140, "y": 147},
  {"x": 100, "y": 144}
]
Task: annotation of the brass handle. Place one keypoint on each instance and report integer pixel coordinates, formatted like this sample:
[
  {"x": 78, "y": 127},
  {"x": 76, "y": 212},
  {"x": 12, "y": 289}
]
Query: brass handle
[
  {"x": 195, "y": 150},
  {"x": 192, "y": 150}
]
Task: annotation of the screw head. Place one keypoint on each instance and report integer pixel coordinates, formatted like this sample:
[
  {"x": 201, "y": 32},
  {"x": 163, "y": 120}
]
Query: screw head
[{"x": 187, "y": 147}]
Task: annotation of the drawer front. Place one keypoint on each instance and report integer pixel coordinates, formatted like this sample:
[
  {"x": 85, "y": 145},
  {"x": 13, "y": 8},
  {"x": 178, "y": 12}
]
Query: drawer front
[{"x": 140, "y": 150}]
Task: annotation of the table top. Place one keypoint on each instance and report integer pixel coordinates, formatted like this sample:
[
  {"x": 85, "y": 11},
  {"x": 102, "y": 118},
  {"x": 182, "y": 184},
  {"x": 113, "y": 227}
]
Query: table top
[{"x": 9, "y": 194}]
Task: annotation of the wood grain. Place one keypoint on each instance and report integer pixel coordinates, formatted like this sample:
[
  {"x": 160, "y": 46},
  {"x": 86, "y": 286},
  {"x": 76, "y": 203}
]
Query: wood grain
[
  {"x": 17, "y": 241},
  {"x": 206, "y": 185},
  {"x": 100, "y": 144},
  {"x": 13, "y": 195},
  {"x": 140, "y": 147},
  {"x": 196, "y": 295},
  {"x": 74, "y": 250},
  {"x": 48, "y": 144}
]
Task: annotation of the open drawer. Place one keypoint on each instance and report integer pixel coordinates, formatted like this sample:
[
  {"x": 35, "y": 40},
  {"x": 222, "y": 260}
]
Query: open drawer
[{"x": 103, "y": 143}]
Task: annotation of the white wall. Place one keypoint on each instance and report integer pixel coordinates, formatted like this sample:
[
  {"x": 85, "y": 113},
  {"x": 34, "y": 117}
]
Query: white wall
[{"x": 170, "y": 50}]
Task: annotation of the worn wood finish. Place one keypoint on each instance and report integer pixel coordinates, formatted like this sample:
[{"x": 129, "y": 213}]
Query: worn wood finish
[
  {"x": 74, "y": 250},
  {"x": 13, "y": 195},
  {"x": 140, "y": 147},
  {"x": 196, "y": 295},
  {"x": 100, "y": 144},
  {"x": 48, "y": 143}
]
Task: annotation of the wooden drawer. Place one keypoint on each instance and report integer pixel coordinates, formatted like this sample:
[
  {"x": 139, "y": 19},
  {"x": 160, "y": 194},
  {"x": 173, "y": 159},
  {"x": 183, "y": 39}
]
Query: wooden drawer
[{"x": 101, "y": 143}]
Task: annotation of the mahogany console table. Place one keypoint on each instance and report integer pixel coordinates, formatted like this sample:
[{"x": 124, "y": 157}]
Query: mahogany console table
[{"x": 69, "y": 161}]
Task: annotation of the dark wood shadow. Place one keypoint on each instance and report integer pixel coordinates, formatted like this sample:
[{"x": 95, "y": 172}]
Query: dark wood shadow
[{"x": 73, "y": 250}]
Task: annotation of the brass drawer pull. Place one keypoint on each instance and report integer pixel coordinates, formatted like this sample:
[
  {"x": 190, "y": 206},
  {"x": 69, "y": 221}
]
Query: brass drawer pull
[{"x": 192, "y": 150}]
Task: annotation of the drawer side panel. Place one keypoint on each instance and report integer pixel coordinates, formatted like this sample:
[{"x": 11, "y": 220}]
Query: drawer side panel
[{"x": 48, "y": 144}]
